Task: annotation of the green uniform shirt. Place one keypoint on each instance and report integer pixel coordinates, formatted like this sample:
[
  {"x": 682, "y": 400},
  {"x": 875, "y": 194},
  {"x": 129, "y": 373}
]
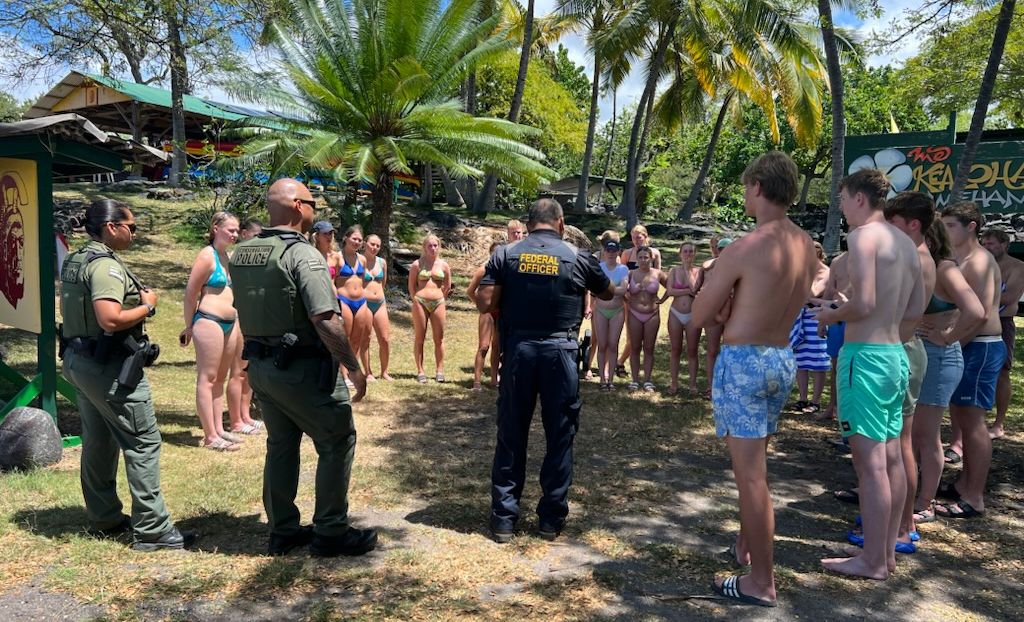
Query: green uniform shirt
[
  {"x": 277, "y": 289},
  {"x": 83, "y": 281}
]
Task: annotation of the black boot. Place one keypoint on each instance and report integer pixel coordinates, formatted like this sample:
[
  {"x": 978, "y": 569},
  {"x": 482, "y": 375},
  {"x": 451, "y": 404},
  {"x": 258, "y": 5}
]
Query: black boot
[
  {"x": 170, "y": 539},
  {"x": 282, "y": 545},
  {"x": 352, "y": 542}
]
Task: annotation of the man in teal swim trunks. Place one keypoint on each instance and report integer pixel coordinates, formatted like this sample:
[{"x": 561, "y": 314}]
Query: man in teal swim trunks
[
  {"x": 886, "y": 289},
  {"x": 758, "y": 286}
]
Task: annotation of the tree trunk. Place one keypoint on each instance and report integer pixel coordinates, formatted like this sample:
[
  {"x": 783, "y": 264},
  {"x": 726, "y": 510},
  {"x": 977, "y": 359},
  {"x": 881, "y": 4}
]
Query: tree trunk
[
  {"x": 588, "y": 151},
  {"x": 641, "y": 149},
  {"x": 179, "y": 85},
  {"x": 810, "y": 174},
  {"x": 988, "y": 82},
  {"x": 452, "y": 197},
  {"x": 628, "y": 206},
  {"x": 834, "y": 222},
  {"x": 686, "y": 213},
  {"x": 608, "y": 154},
  {"x": 426, "y": 197},
  {"x": 468, "y": 187},
  {"x": 380, "y": 222},
  {"x": 485, "y": 202}
]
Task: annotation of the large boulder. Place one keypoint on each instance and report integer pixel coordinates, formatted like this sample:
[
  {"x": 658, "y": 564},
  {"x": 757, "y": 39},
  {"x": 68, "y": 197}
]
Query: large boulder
[{"x": 29, "y": 438}]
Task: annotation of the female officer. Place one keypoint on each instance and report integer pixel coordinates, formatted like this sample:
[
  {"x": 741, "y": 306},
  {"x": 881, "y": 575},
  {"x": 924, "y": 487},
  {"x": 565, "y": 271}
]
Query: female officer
[{"x": 102, "y": 303}]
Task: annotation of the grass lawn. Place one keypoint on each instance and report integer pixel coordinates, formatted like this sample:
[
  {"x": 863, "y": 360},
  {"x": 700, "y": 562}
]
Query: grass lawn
[{"x": 652, "y": 508}]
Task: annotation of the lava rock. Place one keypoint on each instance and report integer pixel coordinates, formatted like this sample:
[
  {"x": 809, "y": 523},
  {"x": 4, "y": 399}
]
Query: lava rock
[{"x": 29, "y": 438}]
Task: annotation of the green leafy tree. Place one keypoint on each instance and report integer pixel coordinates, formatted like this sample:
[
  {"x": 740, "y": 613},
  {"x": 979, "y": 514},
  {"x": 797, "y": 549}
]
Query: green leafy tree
[
  {"x": 372, "y": 91},
  {"x": 11, "y": 109}
]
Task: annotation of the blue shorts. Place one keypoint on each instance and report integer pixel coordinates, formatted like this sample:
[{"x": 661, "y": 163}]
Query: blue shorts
[
  {"x": 945, "y": 368},
  {"x": 750, "y": 387},
  {"x": 983, "y": 359},
  {"x": 835, "y": 337}
]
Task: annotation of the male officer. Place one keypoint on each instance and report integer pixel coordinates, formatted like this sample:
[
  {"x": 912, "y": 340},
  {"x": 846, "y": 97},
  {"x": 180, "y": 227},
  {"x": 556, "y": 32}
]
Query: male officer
[
  {"x": 294, "y": 344},
  {"x": 538, "y": 283}
]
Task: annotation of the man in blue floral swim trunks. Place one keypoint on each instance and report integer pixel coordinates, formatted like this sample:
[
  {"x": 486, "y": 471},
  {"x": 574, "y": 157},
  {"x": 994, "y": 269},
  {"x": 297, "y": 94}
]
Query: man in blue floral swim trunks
[{"x": 755, "y": 369}]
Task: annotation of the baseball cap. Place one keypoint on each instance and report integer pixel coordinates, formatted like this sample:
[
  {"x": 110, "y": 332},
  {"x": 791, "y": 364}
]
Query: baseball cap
[
  {"x": 322, "y": 226},
  {"x": 724, "y": 242},
  {"x": 611, "y": 245}
]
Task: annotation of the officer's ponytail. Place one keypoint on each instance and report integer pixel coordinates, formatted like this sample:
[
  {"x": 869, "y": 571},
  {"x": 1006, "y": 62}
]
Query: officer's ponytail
[{"x": 100, "y": 213}]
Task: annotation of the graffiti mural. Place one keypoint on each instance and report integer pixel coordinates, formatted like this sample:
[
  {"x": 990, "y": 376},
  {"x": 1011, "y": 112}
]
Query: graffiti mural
[{"x": 19, "y": 245}]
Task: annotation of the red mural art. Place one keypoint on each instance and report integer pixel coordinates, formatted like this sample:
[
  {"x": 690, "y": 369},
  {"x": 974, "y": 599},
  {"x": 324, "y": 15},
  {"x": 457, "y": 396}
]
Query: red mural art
[
  {"x": 929, "y": 154},
  {"x": 12, "y": 238}
]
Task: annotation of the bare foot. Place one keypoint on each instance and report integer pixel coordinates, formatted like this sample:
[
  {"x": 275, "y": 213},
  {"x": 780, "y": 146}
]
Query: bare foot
[
  {"x": 386, "y": 376},
  {"x": 996, "y": 432},
  {"x": 825, "y": 415},
  {"x": 370, "y": 378},
  {"x": 672, "y": 390},
  {"x": 854, "y": 551},
  {"x": 742, "y": 554},
  {"x": 854, "y": 567}
]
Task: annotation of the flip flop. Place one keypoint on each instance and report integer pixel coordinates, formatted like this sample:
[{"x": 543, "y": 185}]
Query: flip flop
[
  {"x": 914, "y": 535},
  {"x": 222, "y": 445},
  {"x": 951, "y": 457},
  {"x": 800, "y": 405},
  {"x": 730, "y": 590},
  {"x": 847, "y": 496},
  {"x": 632, "y": 386},
  {"x": 966, "y": 510},
  {"x": 421, "y": 378},
  {"x": 924, "y": 516},
  {"x": 906, "y": 548},
  {"x": 649, "y": 386},
  {"x": 439, "y": 377}
]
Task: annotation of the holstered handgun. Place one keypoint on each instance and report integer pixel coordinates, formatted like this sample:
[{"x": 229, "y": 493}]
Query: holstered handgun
[
  {"x": 142, "y": 354},
  {"x": 283, "y": 355},
  {"x": 62, "y": 343}
]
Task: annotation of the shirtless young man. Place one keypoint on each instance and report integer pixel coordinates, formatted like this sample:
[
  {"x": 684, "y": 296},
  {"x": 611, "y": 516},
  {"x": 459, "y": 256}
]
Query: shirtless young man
[
  {"x": 997, "y": 242},
  {"x": 758, "y": 285},
  {"x": 886, "y": 291},
  {"x": 984, "y": 356}
]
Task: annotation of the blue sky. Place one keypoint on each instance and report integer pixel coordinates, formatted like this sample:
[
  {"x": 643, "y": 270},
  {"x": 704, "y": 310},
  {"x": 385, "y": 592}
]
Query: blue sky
[{"x": 628, "y": 93}]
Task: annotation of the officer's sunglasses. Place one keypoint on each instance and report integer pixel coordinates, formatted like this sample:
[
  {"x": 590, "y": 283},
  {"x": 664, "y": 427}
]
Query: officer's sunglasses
[
  {"x": 310, "y": 203},
  {"x": 130, "y": 226}
]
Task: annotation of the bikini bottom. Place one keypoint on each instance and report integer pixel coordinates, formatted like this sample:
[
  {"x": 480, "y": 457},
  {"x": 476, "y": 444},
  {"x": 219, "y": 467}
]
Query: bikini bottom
[
  {"x": 684, "y": 318},
  {"x": 610, "y": 313},
  {"x": 429, "y": 305},
  {"x": 225, "y": 325},
  {"x": 643, "y": 317},
  {"x": 353, "y": 305},
  {"x": 374, "y": 305}
]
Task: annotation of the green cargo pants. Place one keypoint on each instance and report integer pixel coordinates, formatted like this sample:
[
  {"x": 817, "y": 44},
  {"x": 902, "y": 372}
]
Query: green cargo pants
[
  {"x": 292, "y": 405},
  {"x": 117, "y": 419}
]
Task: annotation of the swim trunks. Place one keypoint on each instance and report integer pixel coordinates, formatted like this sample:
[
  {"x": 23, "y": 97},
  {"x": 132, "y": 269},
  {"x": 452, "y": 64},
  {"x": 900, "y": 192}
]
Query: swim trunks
[
  {"x": 945, "y": 368},
  {"x": 1009, "y": 336},
  {"x": 835, "y": 337},
  {"x": 750, "y": 387},
  {"x": 872, "y": 379},
  {"x": 983, "y": 358},
  {"x": 918, "y": 360}
]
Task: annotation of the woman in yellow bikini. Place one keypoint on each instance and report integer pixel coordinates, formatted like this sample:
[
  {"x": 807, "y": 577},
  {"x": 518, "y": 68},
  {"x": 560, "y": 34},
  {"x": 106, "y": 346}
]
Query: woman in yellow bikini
[
  {"x": 351, "y": 293},
  {"x": 211, "y": 323},
  {"x": 609, "y": 315},
  {"x": 375, "y": 280},
  {"x": 430, "y": 280},
  {"x": 683, "y": 282}
]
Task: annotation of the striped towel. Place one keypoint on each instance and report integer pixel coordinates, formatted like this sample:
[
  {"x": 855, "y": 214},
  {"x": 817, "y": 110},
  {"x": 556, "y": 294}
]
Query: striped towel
[{"x": 810, "y": 349}]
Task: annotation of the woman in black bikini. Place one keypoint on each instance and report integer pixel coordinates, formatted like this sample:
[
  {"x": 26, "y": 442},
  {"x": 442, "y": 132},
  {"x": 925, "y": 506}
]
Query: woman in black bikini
[
  {"x": 375, "y": 280},
  {"x": 211, "y": 323}
]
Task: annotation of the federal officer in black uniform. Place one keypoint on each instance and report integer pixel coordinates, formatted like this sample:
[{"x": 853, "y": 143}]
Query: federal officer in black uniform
[{"x": 539, "y": 284}]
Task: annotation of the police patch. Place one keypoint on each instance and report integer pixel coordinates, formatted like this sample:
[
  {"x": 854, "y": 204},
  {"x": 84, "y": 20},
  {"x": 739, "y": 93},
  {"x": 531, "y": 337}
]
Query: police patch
[
  {"x": 252, "y": 256},
  {"x": 69, "y": 272},
  {"x": 532, "y": 263},
  {"x": 316, "y": 264},
  {"x": 115, "y": 272}
]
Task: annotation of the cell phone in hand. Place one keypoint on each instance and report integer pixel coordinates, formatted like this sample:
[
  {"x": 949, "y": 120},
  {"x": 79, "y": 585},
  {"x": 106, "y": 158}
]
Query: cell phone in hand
[{"x": 181, "y": 339}]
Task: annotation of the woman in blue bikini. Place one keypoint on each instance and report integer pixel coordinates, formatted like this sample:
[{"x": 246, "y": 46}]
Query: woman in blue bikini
[
  {"x": 350, "y": 286},
  {"x": 430, "y": 280},
  {"x": 375, "y": 280},
  {"x": 210, "y": 322},
  {"x": 609, "y": 316}
]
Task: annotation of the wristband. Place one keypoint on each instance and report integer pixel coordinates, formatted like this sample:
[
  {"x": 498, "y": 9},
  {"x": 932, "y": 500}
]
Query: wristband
[{"x": 152, "y": 310}]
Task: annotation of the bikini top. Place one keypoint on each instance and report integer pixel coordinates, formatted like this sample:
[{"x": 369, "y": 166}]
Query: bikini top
[
  {"x": 938, "y": 305},
  {"x": 347, "y": 271},
  {"x": 437, "y": 275},
  {"x": 677, "y": 285},
  {"x": 219, "y": 278},
  {"x": 1002, "y": 290},
  {"x": 333, "y": 270},
  {"x": 635, "y": 288},
  {"x": 377, "y": 274}
]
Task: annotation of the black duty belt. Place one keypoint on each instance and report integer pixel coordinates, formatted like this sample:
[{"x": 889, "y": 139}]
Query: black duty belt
[
  {"x": 543, "y": 334},
  {"x": 257, "y": 350},
  {"x": 85, "y": 346}
]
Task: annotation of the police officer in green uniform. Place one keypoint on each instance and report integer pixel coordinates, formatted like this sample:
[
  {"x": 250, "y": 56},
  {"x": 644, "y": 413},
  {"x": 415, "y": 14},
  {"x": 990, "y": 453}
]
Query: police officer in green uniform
[
  {"x": 294, "y": 344},
  {"x": 539, "y": 285},
  {"x": 104, "y": 307}
]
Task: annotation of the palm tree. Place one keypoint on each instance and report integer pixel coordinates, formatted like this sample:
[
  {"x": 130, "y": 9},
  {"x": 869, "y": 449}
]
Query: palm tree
[
  {"x": 372, "y": 88},
  {"x": 988, "y": 82},
  {"x": 833, "y": 222}
]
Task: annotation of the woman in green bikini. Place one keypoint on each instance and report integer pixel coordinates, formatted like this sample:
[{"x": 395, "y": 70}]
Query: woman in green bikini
[
  {"x": 609, "y": 316},
  {"x": 375, "y": 279},
  {"x": 211, "y": 323},
  {"x": 430, "y": 280}
]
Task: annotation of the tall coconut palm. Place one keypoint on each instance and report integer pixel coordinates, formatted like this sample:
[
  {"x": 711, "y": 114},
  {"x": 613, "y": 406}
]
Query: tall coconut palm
[
  {"x": 372, "y": 87},
  {"x": 833, "y": 222},
  {"x": 988, "y": 82}
]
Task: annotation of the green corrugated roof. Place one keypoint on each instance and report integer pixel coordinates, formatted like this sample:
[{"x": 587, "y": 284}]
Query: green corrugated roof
[{"x": 160, "y": 97}]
